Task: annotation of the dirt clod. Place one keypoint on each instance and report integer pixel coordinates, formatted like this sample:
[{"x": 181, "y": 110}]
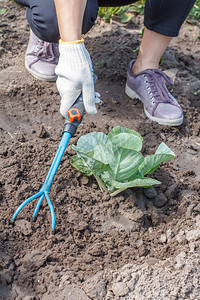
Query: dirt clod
[
  {"x": 42, "y": 132},
  {"x": 24, "y": 226},
  {"x": 160, "y": 200}
]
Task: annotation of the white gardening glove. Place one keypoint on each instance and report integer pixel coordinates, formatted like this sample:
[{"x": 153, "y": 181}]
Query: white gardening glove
[{"x": 75, "y": 76}]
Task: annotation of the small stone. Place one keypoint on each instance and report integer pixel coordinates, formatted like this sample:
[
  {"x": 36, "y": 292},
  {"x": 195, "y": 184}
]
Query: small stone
[
  {"x": 150, "y": 193},
  {"x": 172, "y": 73},
  {"x": 195, "y": 146},
  {"x": 82, "y": 226},
  {"x": 92, "y": 125},
  {"x": 72, "y": 292},
  {"x": 84, "y": 180},
  {"x": 109, "y": 295},
  {"x": 171, "y": 191},
  {"x": 35, "y": 259},
  {"x": 21, "y": 137},
  {"x": 139, "y": 243},
  {"x": 34, "y": 101},
  {"x": 193, "y": 235},
  {"x": 42, "y": 133},
  {"x": 160, "y": 200},
  {"x": 94, "y": 186},
  {"x": 24, "y": 226},
  {"x": 120, "y": 289},
  {"x": 180, "y": 260},
  {"x": 169, "y": 234},
  {"x": 150, "y": 230},
  {"x": 163, "y": 238},
  {"x": 163, "y": 188},
  {"x": 192, "y": 246},
  {"x": 180, "y": 237},
  {"x": 5, "y": 261},
  {"x": 95, "y": 287},
  {"x": 183, "y": 73}
]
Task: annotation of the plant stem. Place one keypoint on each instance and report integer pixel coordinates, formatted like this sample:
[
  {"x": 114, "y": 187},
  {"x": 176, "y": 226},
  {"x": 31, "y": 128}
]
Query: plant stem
[
  {"x": 100, "y": 183},
  {"x": 117, "y": 192}
]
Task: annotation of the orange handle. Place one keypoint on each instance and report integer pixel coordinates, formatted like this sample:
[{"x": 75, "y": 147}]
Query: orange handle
[{"x": 74, "y": 115}]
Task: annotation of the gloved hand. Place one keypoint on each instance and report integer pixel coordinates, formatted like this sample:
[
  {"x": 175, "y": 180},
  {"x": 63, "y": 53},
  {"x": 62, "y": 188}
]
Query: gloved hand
[{"x": 75, "y": 76}]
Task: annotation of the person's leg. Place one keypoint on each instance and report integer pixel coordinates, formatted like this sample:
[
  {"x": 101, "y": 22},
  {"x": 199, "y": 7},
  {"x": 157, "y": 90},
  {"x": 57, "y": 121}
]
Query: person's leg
[
  {"x": 163, "y": 20},
  {"x": 151, "y": 50}
]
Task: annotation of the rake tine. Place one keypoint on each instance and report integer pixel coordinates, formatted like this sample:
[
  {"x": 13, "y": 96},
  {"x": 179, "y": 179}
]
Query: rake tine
[
  {"x": 26, "y": 202},
  {"x": 38, "y": 206},
  {"x": 51, "y": 211}
]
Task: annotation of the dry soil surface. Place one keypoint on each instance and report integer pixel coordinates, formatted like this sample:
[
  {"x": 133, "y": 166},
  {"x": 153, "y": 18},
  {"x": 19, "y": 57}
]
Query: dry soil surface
[{"x": 142, "y": 244}]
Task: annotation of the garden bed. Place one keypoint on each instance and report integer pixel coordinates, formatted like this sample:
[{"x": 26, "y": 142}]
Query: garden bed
[{"x": 141, "y": 244}]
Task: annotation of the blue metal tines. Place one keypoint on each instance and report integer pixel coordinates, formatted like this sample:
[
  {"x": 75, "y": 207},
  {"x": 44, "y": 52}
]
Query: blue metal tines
[{"x": 48, "y": 181}]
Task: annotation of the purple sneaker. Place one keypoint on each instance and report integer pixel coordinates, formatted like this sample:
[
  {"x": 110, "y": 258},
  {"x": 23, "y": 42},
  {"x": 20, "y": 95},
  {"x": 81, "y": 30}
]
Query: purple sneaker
[
  {"x": 159, "y": 105},
  {"x": 41, "y": 58}
]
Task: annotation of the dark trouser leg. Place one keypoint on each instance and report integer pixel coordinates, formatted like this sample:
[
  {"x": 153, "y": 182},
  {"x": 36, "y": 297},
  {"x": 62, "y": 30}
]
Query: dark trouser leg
[
  {"x": 41, "y": 16},
  {"x": 166, "y": 17}
]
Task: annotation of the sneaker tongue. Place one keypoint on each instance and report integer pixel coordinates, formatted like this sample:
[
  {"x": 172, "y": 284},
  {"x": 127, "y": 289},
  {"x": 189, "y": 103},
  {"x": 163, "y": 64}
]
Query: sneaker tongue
[
  {"x": 47, "y": 52},
  {"x": 156, "y": 80}
]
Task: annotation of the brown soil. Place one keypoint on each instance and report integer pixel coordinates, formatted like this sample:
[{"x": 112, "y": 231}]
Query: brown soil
[{"x": 142, "y": 244}]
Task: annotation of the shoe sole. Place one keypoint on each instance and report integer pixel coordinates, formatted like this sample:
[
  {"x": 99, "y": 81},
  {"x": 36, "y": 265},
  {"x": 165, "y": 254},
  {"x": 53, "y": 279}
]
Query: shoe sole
[
  {"x": 39, "y": 76},
  {"x": 176, "y": 122}
]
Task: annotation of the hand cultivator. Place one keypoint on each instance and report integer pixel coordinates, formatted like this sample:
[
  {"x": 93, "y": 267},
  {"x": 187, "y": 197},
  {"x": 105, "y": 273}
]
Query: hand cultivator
[{"x": 74, "y": 118}]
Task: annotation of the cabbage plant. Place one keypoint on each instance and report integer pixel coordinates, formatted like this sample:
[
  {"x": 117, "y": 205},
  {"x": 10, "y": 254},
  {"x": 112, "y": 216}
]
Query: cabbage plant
[{"x": 116, "y": 160}]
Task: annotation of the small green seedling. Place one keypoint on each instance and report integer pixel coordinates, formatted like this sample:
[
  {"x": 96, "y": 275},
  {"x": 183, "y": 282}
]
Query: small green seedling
[
  {"x": 125, "y": 13},
  {"x": 116, "y": 160},
  {"x": 107, "y": 13},
  {"x": 3, "y": 11},
  {"x": 197, "y": 93},
  {"x": 195, "y": 12}
]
